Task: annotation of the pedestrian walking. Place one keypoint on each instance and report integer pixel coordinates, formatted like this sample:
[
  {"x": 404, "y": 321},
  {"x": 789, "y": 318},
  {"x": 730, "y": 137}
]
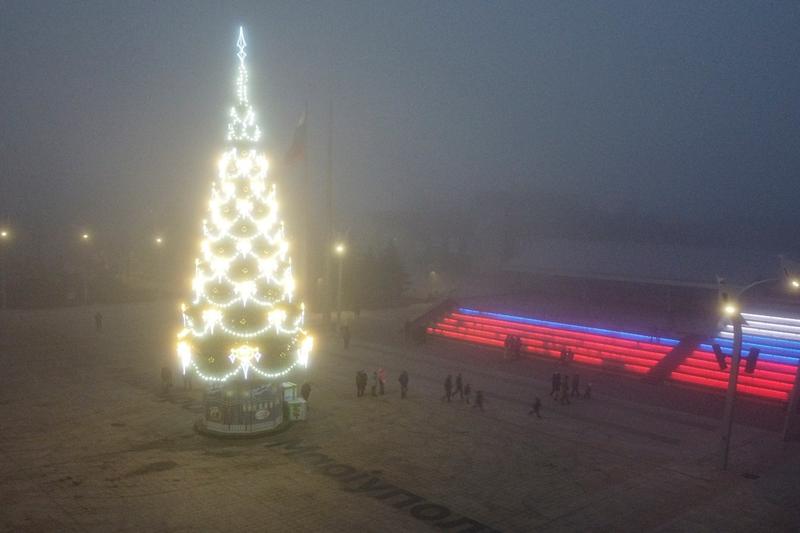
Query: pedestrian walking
[
  {"x": 576, "y": 380},
  {"x": 98, "y": 321},
  {"x": 361, "y": 382},
  {"x": 381, "y": 380},
  {"x": 467, "y": 392},
  {"x": 346, "y": 336},
  {"x": 507, "y": 346},
  {"x": 448, "y": 387},
  {"x": 459, "y": 387},
  {"x": 564, "y": 390},
  {"x": 187, "y": 379},
  {"x": 166, "y": 378},
  {"x": 374, "y": 383},
  {"x": 305, "y": 390},
  {"x": 537, "y": 404},
  {"x": 479, "y": 400},
  {"x": 403, "y": 379},
  {"x": 556, "y": 385},
  {"x": 587, "y": 393}
]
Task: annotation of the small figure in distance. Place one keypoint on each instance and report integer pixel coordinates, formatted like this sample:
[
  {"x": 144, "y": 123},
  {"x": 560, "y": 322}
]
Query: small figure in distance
[
  {"x": 576, "y": 380},
  {"x": 98, "y": 321},
  {"x": 479, "y": 399},
  {"x": 537, "y": 404},
  {"x": 403, "y": 379},
  {"x": 459, "y": 387},
  {"x": 381, "y": 380},
  {"x": 346, "y": 336},
  {"x": 166, "y": 378}
]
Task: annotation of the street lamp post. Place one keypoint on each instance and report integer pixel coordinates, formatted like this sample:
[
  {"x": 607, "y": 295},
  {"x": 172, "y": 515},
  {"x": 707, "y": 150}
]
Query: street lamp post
[
  {"x": 731, "y": 310},
  {"x": 340, "y": 250},
  {"x": 5, "y": 236},
  {"x": 85, "y": 239},
  {"x": 159, "y": 243}
]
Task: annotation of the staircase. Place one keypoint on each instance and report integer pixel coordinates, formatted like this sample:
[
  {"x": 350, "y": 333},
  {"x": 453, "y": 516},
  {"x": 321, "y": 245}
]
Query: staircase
[
  {"x": 778, "y": 338},
  {"x": 673, "y": 359},
  {"x": 613, "y": 350}
]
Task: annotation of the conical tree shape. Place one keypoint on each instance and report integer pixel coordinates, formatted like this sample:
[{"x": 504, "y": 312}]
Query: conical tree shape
[{"x": 244, "y": 321}]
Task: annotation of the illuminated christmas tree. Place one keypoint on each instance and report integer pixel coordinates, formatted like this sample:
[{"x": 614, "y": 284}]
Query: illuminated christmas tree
[{"x": 244, "y": 322}]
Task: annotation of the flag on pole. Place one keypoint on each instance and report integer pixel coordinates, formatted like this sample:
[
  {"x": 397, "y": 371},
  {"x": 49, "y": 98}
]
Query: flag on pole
[{"x": 297, "y": 150}]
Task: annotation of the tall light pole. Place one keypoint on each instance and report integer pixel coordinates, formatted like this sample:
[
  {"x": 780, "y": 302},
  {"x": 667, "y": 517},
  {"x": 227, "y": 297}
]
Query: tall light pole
[
  {"x": 730, "y": 310},
  {"x": 86, "y": 239},
  {"x": 340, "y": 251},
  {"x": 158, "y": 241},
  {"x": 5, "y": 238}
]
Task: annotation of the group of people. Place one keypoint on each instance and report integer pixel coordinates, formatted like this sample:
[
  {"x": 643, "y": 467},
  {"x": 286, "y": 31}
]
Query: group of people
[
  {"x": 464, "y": 391},
  {"x": 166, "y": 379},
  {"x": 566, "y": 356},
  {"x": 377, "y": 382},
  {"x": 562, "y": 388},
  {"x": 513, "y": 346}
]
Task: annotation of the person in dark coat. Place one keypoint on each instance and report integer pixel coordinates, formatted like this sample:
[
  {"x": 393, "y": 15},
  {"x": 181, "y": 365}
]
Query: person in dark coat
[
  {"x": 479, "y": 400},
  {"x": 563, "y": 391},
  {"x": 346, "y": 336},
  {"x": 361, "y": 382},
  {"x": 448, "y": 387},
  {"x": 187, "y": 379},
  {"x": 166, "y": 378},
  {"x": 98, "y": 321},
  {"x": 587, "y": 394},
  {"x": 468, "y": 392},
  {"x": 537, "y": 404},
  {"x": 305, "y": 390},
  {"x": 576, "y": 380},
  {"x": 556, "y": 385},
  {"x": 403, "y": 379},
  {"x": 459, "y": 387}
]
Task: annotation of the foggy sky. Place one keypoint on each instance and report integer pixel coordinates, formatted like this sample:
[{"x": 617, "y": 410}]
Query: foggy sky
[{"x": 112, "y": 114}]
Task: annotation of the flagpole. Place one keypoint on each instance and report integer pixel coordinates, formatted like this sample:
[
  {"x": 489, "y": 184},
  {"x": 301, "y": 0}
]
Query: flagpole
[
  {"x": 329, "y": 207},
  {"x": 306, "y": 273}
]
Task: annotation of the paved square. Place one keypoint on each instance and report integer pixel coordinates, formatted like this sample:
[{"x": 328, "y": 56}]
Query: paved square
[{"x": 89, "y": 443}]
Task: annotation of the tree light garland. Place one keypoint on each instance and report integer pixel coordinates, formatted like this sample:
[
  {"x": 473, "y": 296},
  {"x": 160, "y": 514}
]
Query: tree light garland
[{"x": 243, "y": 305}]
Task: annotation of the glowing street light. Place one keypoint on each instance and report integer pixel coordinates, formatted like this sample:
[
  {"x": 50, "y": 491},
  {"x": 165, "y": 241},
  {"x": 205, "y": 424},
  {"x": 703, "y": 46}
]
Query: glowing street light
[
  {"x": 5, "y": 234},
  {"x": 729, "y": 310},
  {"x": 85, "y": 237},
  {"x": 795, "y": 283},
  {"x": 159, "y": 241},
  {"x": 339, "y": 249}
]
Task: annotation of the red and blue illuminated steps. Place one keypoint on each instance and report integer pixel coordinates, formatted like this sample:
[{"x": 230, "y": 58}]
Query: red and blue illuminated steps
[
  {"x": 611, "y": 349},
  {"x": 633, "y": 353},
  {"x": 777, "y": 338}
]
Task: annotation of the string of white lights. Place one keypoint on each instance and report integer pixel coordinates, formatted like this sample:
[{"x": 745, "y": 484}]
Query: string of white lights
[{"x": 243, "y": 225}]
